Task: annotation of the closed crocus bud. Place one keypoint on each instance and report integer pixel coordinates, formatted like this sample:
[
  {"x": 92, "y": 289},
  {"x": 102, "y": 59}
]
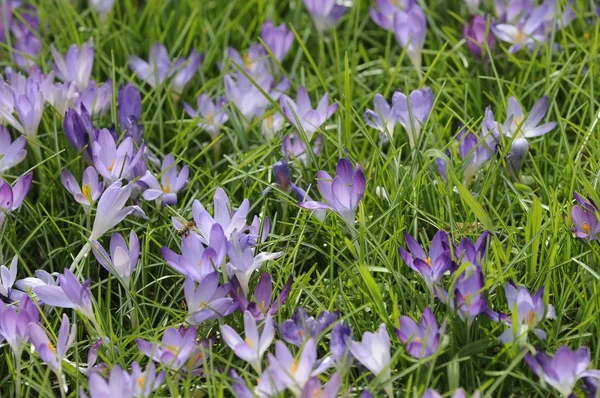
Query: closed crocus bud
[
  {"x": 129, "y": 111},
  {"x": 477, "y": 35},
  {"x": 277, "y": 38},
  {"x": 281, "y": 170}
]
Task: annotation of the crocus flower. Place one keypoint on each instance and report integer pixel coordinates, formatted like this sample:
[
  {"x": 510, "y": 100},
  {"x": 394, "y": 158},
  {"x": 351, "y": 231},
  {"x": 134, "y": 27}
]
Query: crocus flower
[
  {"x": 129, "y": 111},
  {"x": 313, "y": 388},
  {"x": 382, "y": 119},
  {"x": 79, "y": 129},
  {"x": 271, "y": 125},
  {"x": 122, "y": 259},
  {"x": 301, "y": 114},
  {"x": 325, "y": 13},
  {"x": 342, "y": 193},
  {"x": 212, "y": 114},
  {"x": 278, "y": 39},
  {"x": 185, "y": 69},
  {"x": 157, "y": 69},
  {"x": 121, "y": 384},
  {"x": 243, "y": 262},
  {"x": 196, "y": 261},
  {"x": 26, "y": 285},
  {"x": 96, "y": 99},
  {"x": 471, "y": 252},
  {"x": 177, "y": 349},
  {"x": 430, "y": 266},
  {"x": 478, "y": 37},
  {"x": 115, "y": 162},
  {"x": 384, "y": 11},
  {"x": 11, "y": 198},
  {"x": 208, "y": 300},
  {"x": 60, "y": 96},
  {"x": 564, "y": 369},
  {"x": 26, "y": 50},
  {"x": 339, "y": 345},
  {"x": 410, "y": 28},
  {"x": 585, "y": 219},
  {"x": 102, "y": 7},
  {"x": 248, "y": 99},
  {"x": 8, "y": 276},
  {"x": 373, "y": 352},
  {"x": 412, "y": 111},
  {"x": 421, "y": 340},
  {"x": 147, "y": 381},
  {"x": 51, "y": 355},
  {"x": 478, "y": 150},
  {"x": 468, "y": 294},
  {"x": 294, "y": 147},
  {"x": 295, "y": 373},
  {"x": 253, "y": 61},
  {"x": 301, "y": 327},
  {"x": 91, "y": 187},
  {"x": 263, "y": 302},
  {"x": 29, "y": 105},
  {"x": 253, "y": 347},
  {"x": 69, "y": 294},
  {"x": 76, "y": 65},
  {"x": 171, "y": 182},
  {"x": 458, "y": 393},
  {"x": 14, "y": 323},
  {"x": 529, "y": 310},
  {"x": 11, "y": 152},
  {"x": 111, "y": 209},
  {"x": 518, "y": 128},
  {"x": 524, "y": 33}
]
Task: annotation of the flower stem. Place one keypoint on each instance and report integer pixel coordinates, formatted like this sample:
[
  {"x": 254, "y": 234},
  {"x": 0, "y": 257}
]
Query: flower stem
[{"x": 82, "y": 253}]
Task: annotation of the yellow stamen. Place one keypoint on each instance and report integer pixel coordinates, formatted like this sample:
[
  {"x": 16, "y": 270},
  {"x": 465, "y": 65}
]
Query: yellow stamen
[
  {"x": 586, "y": 228},
  {"x": 250, "y": 342},
  {"x": 112, "y": 165},
  {"x": 86, "y": 190},
  {"x": 520, "y": 36},
  {"x": 270, "y": 121},
  {"x": 428, "y": 261},
  {"x": 587, "y": 36},
  {"x": 247, "y": 60},
  {"x": 531, "y": 318},
  {"x": 167, "y": 188},
  {"x": 300, "y": 333},
  {"x": 51, "y": 347},
  {"x": 294, "y": 367},
  {"x": 172, "y": 349},
  {"x": 141, "y": 380}
]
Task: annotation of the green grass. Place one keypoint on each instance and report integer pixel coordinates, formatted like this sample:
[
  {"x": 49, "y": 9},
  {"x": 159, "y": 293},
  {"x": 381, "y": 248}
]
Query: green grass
[{"x": 359, "y": 274}]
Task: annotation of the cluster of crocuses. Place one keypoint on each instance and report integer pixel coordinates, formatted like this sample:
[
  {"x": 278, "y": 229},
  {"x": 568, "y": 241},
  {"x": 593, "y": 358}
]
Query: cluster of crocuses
[{"x": 518, "y": 23}]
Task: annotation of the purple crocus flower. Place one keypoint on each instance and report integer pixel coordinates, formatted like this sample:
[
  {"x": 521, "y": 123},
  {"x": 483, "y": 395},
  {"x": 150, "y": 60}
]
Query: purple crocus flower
[
  {"x": 430, "y": 266},
  {"x": 263, "y": 302},
  {"x": 115, "y": 162},
  {"x": 383, "y": 119},
  {"x": 79, "y": 129},
  {"x": 342, "y": 193},
  {"x": 325, "y": 13},
  {"x": 122, "y": 259},
  {"x": 102, "y": 7},
  {"x": 294, "y": 147},
  {"x": 253, "y": 61},
  {"x": 468, "y": 292},
  {"x": 585, "y": 219},
  {"x": 69, "y": 294},
  {"x": 111, "y": 209},
  {"x": 301, "y": 327},
  {"x": 157, "y": 69},
  {"x": 91, "y": 187},
  {"x": 253, "y": 347},
  {"x": 478, "y": 37},
  {"x": 53, "y": 356},
  {"x": 339, "y": 345},
  {"x": 410, "y": 28},
  {"x": 384, "y": 11},
  {"x": 185, "y": 69},
  {"x": 564, "y": 369},
  {"x": 11, "y": 152},
  {"x": 29, "y": 106},
  {"x": 271, "y": 125},
  {"x": 196, "y": 261},
  {"x": 278, "y": 39},
  {"x": 529, "y": 310},
  {"x": 208, "y": 300},
  {"x": 129, "y": 111},
  {"x": 171, "y": 182},
  {"x": 121, "y": 384},
  {"x": 14, "y": 324},
  {"x": 412, "y": 111},
  {"x": 301, "y": 114},
  {"x": 243, "y": 262},
  {"x": 96, "y": 99},
  {"x": 212, "y": 114},
  {"x": 245, "y": 95},
  {"x": 26, "y": 285},
  {"x": 177, "y": 349},
  {"x": 60, "y": 95},
  {"x": 26, "y": 50},
  {"x": 11, "y": 198},
  {"x": 373, "y": 352},
  {"x": 458, "y": 393},
  {"x": 76, "y": 65},
  {"x": 8, "y": 276},
  {"x": 478, "y": 150},
  {"x": 527, "y": 32},
  {"x": 421, "y": 340},
  {"x": 518, "y": 128},
  {"x": 294, "y": 373},
  {"x": 147, "y": 381},
  {"x": 313, "y": 388}
]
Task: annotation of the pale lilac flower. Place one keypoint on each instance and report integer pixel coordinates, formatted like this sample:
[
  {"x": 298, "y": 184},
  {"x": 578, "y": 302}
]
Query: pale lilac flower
[
  {"x": 518, "y": 128},
  {"x": 341, "y": 194},
  {"x": 51, "y": 355},
  {"x": 374, "y": 354},
  {"x": 384, "y": 11},
  {"x": 147, "y": 381},
  {"x": 96, "y": 99},
  {"x": 247, "y": 98},
  {"x": 76, "y": 65},
  {"x": 271, "y": 125},
  {"x": 111, "y": 209},
  {"x": 208, "y": 300},
  {"x": 14, "y": 323},
  {"x": 412, "y": 111},
  {"x": 476, "y": 151},
  {"x": 313, "y": 388},
  {"x": 529, "y": 310},
  {"x": 171, "y": 182},
  {"x": 295, "y": 373},
  {"x": 29, "y": 106},
  {"x": 102, "y": 7},
  {"x": 121, "y": 384},
  {"x": 278, "y": 39},
  {"x": 11, "y": 152},
  {"x": 243, "y": 262},
  {"x": 263, "y": 303},
  {"x": 122, "y": 259},
  {"x": 421, "y": 340},
  {"x": 294, "y": 147},
  {"x": 8, "y": 276},
  {"x": 382, "y": 119},
  {"x": 458, "y": 393},
  {"x": 115, "y": 162},
  {"x": 157, "y": 69},
  {"x": 212, "y": 115},
  {"x": 26, "y": 285},
  {"x": 91, "y": 187},
  {"x": 254, "y": 61},
  {"x": 325, "y": 13},
  {"x": 478, "y": 37},
  {"x": 564, "y": 369},
  {"x": 60, "y": 95},
  {"x": 11, "y": 198},
  {"x": 301, "y": 114},
  {"x": 185, "y": 69},
  {"x": 513, "y": 10},
  {"x": 26, "y": 50},
  {"x": 524, "y": 33},
  {"x": 339, "y": 345},
  {"x": 468, "y": 299},
  {"x": 301, "y": 327},
  {"x": 410, "y": 28},
  {"x": 129, "y": 111},
  {"x": 253, "y": 347},
  {"x": 584, "y": 218},
  {"x": 69, "y": 294},
  {"x": 177, "y": 350}
]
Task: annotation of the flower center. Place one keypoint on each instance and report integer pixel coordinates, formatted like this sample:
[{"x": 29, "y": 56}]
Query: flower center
[
  {"x": 586, "y": 228},
  {"x": 300, "y": 333},
  {"x": 172, "y": 349},
  {"x": 520, "y": 37},
  {"x": 51, "y": 347},
  {"x": 141, "y": 380},
  {"x": 86, "y": 190},
  {"x": 112, "y": 165},
  {"x": 247, "y": 61},
  {"x": 167, "y": 188},
  {"x": 294, "y": 367},
  {"x": 428, "y": 261},
  {"x": 249, "y": 342},
  {"x": 531, "y": 318},
  {"x": 270, "y": 121}
]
